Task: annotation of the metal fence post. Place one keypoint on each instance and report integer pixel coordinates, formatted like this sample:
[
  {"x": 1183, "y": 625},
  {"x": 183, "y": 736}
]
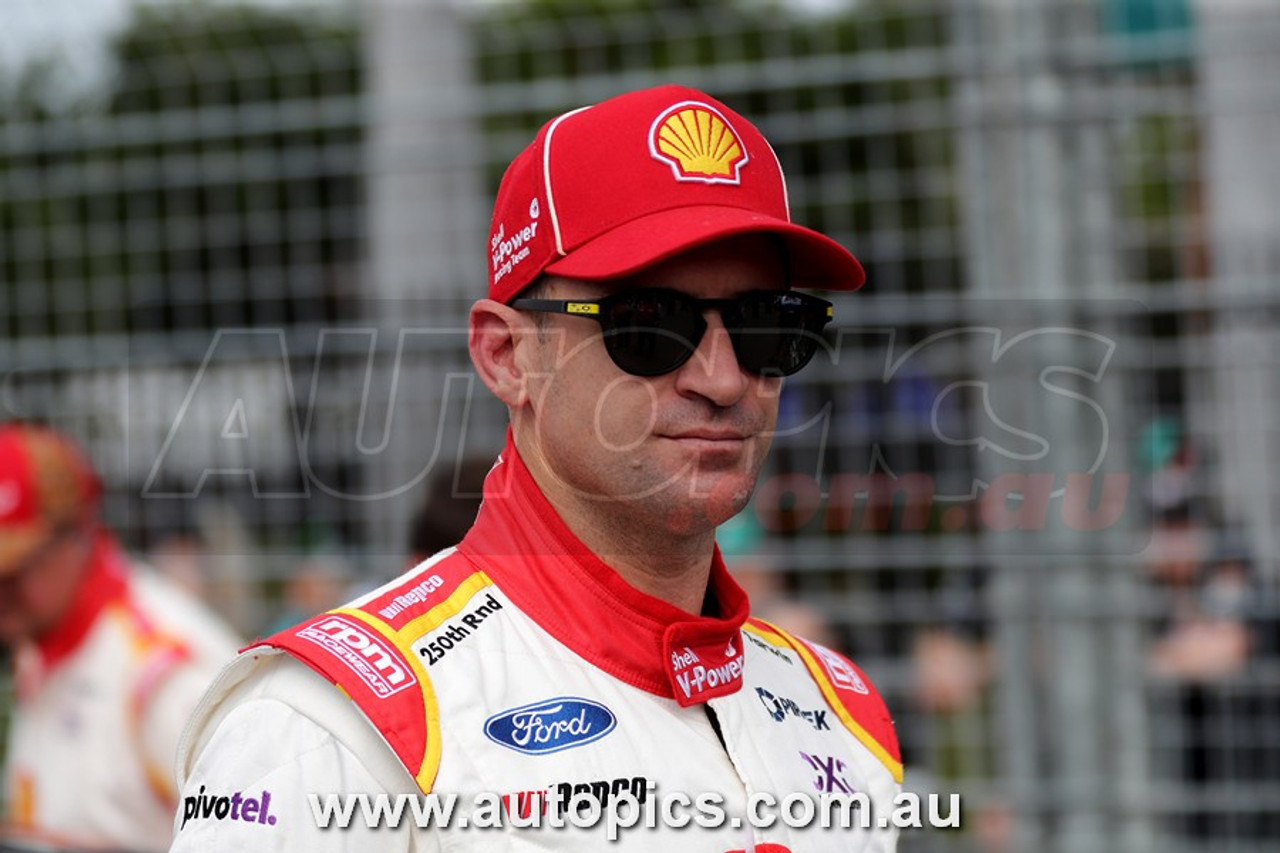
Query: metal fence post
[{"x": 425, "y": 218}]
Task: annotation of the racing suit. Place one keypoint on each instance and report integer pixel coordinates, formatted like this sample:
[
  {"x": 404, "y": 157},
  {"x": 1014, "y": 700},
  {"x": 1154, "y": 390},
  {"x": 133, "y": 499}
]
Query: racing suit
[
  {"x": 101, "y": 702},
  {"x": 517, "y": 671}
]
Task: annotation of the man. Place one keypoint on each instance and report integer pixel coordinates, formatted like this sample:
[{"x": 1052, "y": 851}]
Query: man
[
  {"x": 109, "y": 661},
  {"x": 583, "y": 646}
]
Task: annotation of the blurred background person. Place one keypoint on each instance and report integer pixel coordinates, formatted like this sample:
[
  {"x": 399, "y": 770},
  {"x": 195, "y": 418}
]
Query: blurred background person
[
  {"x": 767, "y": 585},
  {"x": 313, "y": 586},
  {"x": 183, "y": 560},
  {"x": 1201, "y": 645},
  {"x": 109, "y": 661},
  {"x": 449, "y": 506},
  {"x": 1207, "y": 633}
]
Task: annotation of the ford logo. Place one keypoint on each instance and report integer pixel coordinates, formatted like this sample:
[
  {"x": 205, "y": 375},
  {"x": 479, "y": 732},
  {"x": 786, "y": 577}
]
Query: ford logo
[{"x": 550, "y": 726}]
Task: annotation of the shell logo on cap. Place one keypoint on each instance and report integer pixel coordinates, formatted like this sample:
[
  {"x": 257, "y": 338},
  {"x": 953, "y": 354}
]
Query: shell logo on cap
[{"x": 698, "y": 143}]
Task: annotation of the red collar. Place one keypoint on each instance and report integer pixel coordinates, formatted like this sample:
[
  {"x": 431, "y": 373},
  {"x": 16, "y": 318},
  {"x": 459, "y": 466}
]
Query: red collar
[
  {"x": 532, "y": 555},
  {"x": 104, "y": 582}
]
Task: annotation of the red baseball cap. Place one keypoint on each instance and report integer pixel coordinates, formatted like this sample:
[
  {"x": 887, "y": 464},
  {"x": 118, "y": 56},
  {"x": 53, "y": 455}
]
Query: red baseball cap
[
  {"x": 45, "y": 484},
  {"x": 607, "y": 190}
]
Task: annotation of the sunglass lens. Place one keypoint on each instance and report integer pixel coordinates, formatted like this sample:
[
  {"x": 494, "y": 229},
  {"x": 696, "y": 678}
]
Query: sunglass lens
[
  {"x": 775, "y": 334},
  {"x": 649, "y": 334}
]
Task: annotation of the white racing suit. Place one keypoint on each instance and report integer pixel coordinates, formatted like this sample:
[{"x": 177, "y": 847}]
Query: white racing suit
[
  {"x": 101, "y": 703},
  {"x": 512, "y": 673}
]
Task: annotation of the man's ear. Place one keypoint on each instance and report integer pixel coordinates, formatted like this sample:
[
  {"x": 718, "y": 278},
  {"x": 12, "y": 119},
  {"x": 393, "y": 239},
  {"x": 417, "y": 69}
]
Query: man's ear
[{"x": 495, "y": 333}]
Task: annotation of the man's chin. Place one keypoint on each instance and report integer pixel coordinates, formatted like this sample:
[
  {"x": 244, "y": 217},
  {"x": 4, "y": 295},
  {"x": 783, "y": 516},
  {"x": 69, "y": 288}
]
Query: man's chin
[{"x": 705, "y": 502}]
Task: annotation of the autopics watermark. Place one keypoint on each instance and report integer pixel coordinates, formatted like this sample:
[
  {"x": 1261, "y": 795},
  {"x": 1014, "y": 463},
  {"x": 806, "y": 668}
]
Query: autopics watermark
[
  {"x": 910, "y": 418},
  {"x": 631, "y": 809},
  {"x": 1019, "y": 426}
]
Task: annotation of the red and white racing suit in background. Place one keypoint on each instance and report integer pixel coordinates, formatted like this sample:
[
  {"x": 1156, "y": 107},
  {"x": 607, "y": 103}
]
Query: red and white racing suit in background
[
  {"x": 520, "y": 665},
  {"x": 101, "y": 703}
]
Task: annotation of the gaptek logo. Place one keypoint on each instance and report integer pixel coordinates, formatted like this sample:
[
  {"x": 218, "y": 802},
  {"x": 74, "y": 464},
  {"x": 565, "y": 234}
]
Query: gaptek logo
[
  {"x": 235, "y": 807},
  {"x": 780, "y": 707},
  {"x": 366, "y": 655},
  {"x": 550, "y": 726}
]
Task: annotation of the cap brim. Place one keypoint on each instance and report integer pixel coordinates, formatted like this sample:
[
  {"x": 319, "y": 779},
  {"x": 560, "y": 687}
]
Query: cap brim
[{"x": 815, "y": 260}]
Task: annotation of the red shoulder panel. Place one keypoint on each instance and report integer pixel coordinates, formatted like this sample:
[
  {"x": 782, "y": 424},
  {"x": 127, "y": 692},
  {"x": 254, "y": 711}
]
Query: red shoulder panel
[
  {"x": 368, "y": 666},
  {"x": 364, "y": 649},
  {"x": 851, "y": 695},
  {"x": 414, "y": 593},
  {"x": 859, "y": 696}
]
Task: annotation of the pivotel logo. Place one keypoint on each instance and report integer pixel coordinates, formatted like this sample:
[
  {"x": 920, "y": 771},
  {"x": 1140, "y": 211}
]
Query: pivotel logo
[
  {"x": 366, "y": 655},
  {"x": 204, "y": 806},
  {"x": 550, "y": 726},
  {"x": 780, "y": 707}
]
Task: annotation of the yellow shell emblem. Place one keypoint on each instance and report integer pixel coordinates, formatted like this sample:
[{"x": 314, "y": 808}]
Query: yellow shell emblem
[{"x": 698, "y": 143}]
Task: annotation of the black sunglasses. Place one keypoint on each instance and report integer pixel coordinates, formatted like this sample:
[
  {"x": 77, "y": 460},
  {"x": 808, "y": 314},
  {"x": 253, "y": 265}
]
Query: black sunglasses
[{"x": 654, "y": 331}]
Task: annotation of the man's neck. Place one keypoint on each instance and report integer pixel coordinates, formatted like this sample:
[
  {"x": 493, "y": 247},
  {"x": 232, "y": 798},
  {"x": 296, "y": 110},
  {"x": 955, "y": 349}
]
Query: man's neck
[{"x": 674, "y": 567}]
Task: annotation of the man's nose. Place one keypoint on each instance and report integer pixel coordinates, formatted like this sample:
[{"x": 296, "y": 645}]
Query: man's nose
[{"x": 713, "y": 371}]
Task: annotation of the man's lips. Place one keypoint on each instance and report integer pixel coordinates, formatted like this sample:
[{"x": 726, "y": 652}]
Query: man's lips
[
  {"x": 709, "y": 440},
  {"x": 709, "y": 435}
]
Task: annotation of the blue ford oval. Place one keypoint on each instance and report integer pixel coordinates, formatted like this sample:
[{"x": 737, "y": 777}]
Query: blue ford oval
[{"x": 550, "y": 726}]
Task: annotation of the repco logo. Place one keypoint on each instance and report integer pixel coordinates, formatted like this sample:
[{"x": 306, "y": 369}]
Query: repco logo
[
  {"x": 558, "y": 798},
  {"x": 363, "y": 653}
]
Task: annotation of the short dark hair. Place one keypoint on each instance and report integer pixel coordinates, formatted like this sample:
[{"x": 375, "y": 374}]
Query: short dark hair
[{"x": 538, "y": 289}]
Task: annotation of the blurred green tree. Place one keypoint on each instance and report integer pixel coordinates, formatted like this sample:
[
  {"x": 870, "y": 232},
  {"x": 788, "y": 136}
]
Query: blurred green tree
[
  {"x": 215, "y": 182},
  {"x": 841, "y": 124}
]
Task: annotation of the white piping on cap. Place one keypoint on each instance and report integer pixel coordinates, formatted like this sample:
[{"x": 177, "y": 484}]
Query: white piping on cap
[
  {"x": 786, "y": 197},
  {"x": 546, "y": 178}
]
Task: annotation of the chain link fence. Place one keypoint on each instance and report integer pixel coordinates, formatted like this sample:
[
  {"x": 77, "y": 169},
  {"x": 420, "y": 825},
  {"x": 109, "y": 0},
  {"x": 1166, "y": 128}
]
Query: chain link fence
[{"x": 1026, "y": 486}]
